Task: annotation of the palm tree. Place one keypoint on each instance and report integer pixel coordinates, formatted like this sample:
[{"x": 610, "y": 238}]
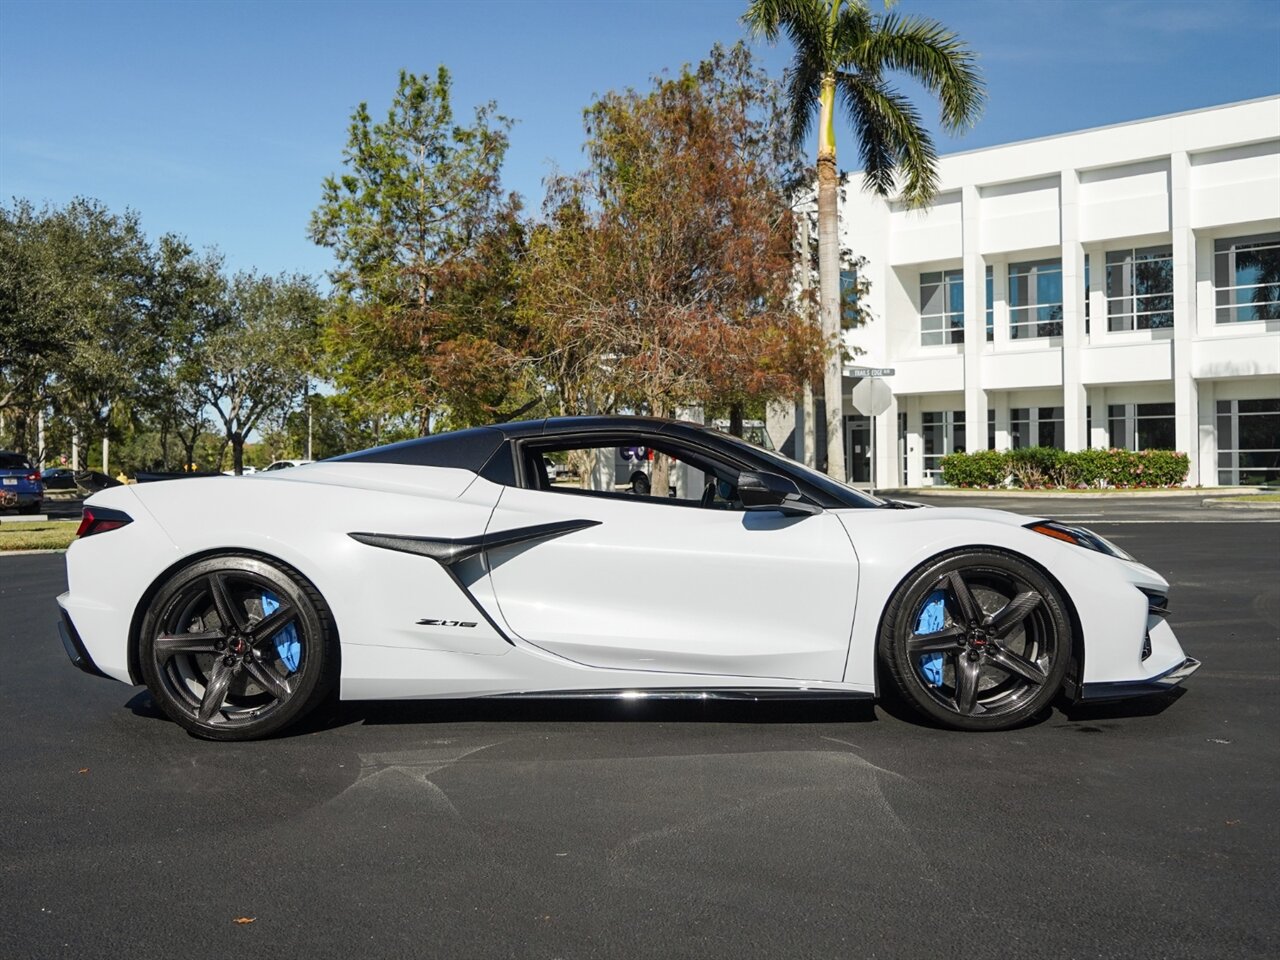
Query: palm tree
[{"x": 842, "y": 53}]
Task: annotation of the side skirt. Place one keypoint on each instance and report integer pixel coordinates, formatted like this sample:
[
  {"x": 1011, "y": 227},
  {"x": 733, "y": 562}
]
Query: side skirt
[{"x": 686, "y": 693}]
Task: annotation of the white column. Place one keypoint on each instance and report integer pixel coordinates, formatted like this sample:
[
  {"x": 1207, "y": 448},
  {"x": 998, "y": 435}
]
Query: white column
[
  {"x": 1186, "y": 405},
  {"x": 1101, "y": 438},
  {"x": 39, "y": 439},
  {"x": 975, "y": 323},
  {"x": 75, "y": 449},
  {"x": 1000, "y": 403},
  {"x": 1000, "y": 302},
  {"x": 915, "y": 444},
  {"x": 886, "y": 437},
  {"x": 1207, "y": 441},
  {"x": 1074, "y": 399},
  {"x": 1098, "y": 326}
]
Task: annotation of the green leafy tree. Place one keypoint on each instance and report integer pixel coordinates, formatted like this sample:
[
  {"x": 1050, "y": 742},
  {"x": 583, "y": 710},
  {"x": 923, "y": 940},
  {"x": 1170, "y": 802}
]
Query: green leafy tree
[
  {"x": 76, "y": 323},
  {"x": 188, "y": 300},
  {"x": 425, "y": 243},
  {"x": 843, "y": 52},
  {"x": 252, "y": 363},
  {"x": 662, "y": 275}
]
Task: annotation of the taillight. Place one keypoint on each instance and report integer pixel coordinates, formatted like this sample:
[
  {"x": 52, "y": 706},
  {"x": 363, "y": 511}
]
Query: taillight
[
  {"x": 33, "y": 477},
  {"x": 100, "y": 520}
]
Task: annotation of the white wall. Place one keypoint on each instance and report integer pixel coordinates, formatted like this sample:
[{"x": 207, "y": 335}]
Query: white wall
[{"x": 1184, "y": 180}]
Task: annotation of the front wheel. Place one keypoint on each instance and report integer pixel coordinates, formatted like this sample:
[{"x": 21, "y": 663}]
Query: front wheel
[
  {"x": 977, "y": 640},
  {"x": 237, "y": 647}
]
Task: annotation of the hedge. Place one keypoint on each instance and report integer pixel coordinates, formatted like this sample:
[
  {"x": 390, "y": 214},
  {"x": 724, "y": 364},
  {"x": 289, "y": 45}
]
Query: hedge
[{"x": 1041, "y": 467}]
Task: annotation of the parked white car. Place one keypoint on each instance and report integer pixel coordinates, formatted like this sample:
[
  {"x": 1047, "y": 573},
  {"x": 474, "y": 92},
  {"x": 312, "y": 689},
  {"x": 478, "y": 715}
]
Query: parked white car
[{"x": 450, "y": 566}]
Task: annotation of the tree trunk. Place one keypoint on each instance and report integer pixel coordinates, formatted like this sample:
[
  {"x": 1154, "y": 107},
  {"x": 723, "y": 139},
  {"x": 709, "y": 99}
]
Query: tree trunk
[
  {"x": 237, "y": 453},
  {"x": 735, "y": 419},
  {"x": 810, "y": 427},
  {"x": 660, "y": 465},
  {"x": 829, "y": 278}
]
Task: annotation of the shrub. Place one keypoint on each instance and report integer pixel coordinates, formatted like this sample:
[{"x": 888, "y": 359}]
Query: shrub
[
  {"x": 982, "y": 468},
  {"x": 1036, "y": 467}
]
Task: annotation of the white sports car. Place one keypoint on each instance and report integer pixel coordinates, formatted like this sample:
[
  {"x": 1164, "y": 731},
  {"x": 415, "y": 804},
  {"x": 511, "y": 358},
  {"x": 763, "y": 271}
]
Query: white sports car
[{"x": 451, "y": 567}]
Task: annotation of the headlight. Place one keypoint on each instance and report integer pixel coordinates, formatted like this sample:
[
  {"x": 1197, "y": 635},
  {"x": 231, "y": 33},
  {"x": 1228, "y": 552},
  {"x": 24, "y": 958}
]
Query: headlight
[{"x": 1079, "y": 536}]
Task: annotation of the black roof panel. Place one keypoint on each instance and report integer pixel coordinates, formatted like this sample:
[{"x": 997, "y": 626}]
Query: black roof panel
[{"x": 461, "y": 449}]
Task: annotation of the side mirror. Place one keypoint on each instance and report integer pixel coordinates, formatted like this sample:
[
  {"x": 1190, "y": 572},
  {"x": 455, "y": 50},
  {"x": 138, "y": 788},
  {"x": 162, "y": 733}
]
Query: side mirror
[{"x": 769, "y": 491}]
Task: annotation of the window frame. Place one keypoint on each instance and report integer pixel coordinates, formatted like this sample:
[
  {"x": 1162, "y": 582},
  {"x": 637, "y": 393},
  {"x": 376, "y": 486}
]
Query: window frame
[
  {"x": 948, "y": 331},
  {"x": 530, "y": 450},
  {"x": 1033, "y": 270},
  {"x": 1127, "y": 321},
  {"x": 1229, "y": 247}
]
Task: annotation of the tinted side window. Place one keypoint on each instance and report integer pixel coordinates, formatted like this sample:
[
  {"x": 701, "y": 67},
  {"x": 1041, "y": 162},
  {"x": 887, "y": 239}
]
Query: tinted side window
[{"x": 632, "y": 467}]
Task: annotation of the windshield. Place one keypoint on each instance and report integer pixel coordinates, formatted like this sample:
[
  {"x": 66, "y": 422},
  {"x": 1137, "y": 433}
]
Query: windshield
[
  {"x": 841, "y": 491},
  {"x": 13, "y": 461}
]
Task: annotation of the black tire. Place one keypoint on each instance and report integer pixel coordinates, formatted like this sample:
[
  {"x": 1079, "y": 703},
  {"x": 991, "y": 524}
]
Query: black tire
[
  {"x": 997, "y": 648},
  {"x": 213, "y": 669},
  {"x": 640, "y": 484}
]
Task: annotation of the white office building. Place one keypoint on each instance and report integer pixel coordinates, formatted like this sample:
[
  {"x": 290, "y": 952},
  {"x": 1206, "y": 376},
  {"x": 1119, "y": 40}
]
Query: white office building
[{"x": 1114, "y": 287}]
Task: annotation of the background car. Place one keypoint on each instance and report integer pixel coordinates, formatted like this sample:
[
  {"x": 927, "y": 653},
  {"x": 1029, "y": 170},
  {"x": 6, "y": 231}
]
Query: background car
[
  {"x": 451, "y": 566},
  {"x": 284, "y": 465},
  {"x": 65, "y": 483},
  {"x": 21, "y": 481}
]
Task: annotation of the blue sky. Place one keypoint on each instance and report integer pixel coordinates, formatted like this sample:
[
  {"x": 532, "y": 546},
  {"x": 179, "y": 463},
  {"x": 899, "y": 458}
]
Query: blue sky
[{"x": 219, "y": 120}]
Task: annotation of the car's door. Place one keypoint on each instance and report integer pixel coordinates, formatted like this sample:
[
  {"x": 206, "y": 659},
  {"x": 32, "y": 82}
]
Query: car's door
[{"x": 662, "y": 585}]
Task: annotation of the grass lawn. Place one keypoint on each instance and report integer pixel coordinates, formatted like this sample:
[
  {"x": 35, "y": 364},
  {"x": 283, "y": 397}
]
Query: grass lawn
[
  {"x": 1262, "y": 498},
  {"x": 56, "y": 535}
]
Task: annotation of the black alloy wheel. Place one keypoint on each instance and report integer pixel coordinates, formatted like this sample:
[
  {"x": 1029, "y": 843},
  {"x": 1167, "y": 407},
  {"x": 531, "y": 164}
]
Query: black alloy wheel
[
  {"x": 977, "y": 640},
  {"x": 237, "y": 647}
]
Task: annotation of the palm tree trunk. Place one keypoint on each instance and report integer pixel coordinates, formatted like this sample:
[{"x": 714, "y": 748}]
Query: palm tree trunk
[{"x": 829, "y": 277}]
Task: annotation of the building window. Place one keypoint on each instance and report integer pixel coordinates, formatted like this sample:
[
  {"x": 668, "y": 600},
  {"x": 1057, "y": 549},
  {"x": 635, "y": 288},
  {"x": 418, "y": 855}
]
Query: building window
[
  {"x": 1037, "y": 427},
  {"x": 941, "y": 308},
  {"x": 1086, "y": 294},
  {"x": 943, "y": 433},
  {"x": 1246, "y": 278},
  {"x": 1248, "y": 441},
  {"x": 991, "y": 301},
  {"x": 991, "y": 429},
  {"x": 1141, "y": 426},
  {"x": 1140, "y": 288},
  {"x": 1035, "y": 299},
  {"x": 902, "y": 445},
  {"x": 848, "y": 297}
]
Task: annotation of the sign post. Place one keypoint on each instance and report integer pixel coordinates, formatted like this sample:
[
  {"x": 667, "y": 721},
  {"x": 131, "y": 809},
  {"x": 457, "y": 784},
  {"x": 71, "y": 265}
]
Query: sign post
[{"x": 872, "y": 396}]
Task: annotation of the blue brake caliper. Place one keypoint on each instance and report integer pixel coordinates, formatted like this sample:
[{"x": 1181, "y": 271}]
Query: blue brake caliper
[
  {"x": 287, "y": 643},
  {"x": 932, "y": 619}
]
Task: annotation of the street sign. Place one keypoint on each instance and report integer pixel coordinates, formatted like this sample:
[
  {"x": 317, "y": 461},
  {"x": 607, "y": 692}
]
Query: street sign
[
  {"x": 871, "y": 397},
  {"x": 869, "y": 371}
]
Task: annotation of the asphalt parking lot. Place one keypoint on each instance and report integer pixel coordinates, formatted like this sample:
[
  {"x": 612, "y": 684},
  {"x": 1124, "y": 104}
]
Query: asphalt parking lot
[{"x": 661, "y": 830}]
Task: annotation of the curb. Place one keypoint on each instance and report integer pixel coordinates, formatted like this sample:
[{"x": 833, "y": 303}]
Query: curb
[
  {"x": 1239, "y": 503},
  {"x": 30, "y": 553},
  {"x": 1057, "y": 494}
]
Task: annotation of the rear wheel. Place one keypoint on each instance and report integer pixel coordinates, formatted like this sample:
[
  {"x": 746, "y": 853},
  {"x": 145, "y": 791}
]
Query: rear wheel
[
  {"x": 237, "y": 647},
  {"x": 977, "y": 640}
]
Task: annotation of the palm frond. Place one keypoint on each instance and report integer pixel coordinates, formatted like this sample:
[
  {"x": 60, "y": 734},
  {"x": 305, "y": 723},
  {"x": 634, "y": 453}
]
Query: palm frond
[
  {"x": 892, "y": 139},
  {"x": 804, "y": 86},
  {"x": 765, "y": 18},
  {"x": 930, "y": 52}
]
